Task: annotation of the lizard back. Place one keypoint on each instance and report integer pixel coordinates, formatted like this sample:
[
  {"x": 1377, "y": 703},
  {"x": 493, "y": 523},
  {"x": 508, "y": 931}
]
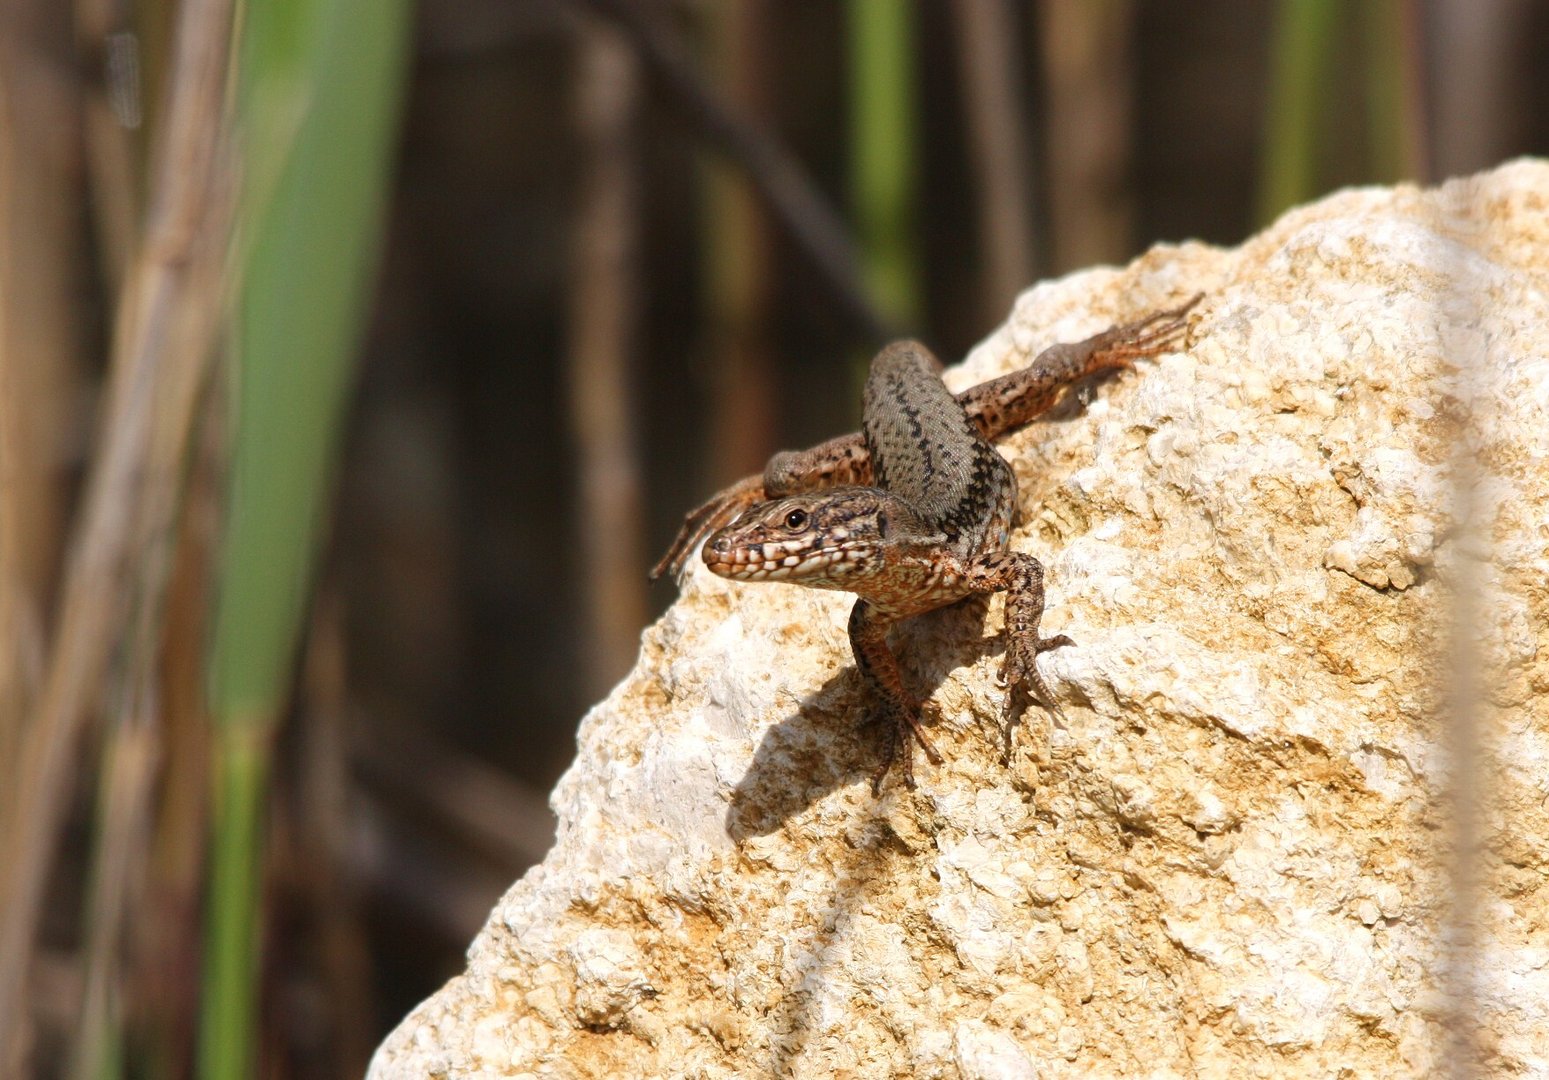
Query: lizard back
[{"x": 925, "y": 450}]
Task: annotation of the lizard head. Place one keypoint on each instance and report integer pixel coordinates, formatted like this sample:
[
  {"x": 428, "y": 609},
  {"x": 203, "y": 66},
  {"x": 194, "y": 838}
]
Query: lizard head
[{"x": 821, "y": 538}]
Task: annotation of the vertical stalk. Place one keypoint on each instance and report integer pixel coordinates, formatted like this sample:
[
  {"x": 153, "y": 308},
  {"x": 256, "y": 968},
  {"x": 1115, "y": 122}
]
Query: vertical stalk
[
  {"x": 1087, "y": 48},
  {"x": 737, "y": 256},
  {"x": 39, "y": 341},
  {"x": 604, "y": 296},
  {"x": 318, "y": 92},
  {"x": 226, "y": 1025},
  {"x": 988, "y": 58},
  {"x": 1299, "y": 72},
  {"x": 1395, "y": 118},
  {"x": 120, "y": 841},
  {"x": 883, "y": 163},
  {"x": 161, "y": 341}
]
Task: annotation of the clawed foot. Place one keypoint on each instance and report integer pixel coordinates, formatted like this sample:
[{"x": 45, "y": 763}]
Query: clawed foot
[
  {"x": 719, "y": 510},
  {"x": 1154, "y": 334},
  {"x": 1020, "y": 672},
  {"x": 903, "y": 723}
]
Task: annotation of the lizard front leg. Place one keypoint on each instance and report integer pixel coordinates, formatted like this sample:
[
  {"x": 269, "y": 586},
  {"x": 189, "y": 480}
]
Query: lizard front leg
[
  {"x": 879, "y": 668},
  {"x": 1020, "y": 577}
]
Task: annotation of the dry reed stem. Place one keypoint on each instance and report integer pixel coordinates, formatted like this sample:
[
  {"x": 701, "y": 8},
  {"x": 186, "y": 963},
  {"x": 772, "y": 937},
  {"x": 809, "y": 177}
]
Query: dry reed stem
[
  {"x": 323, "y": 839},
  {"x": 162, "y": 342},
  {"x": 163, "y": 926},
  {"x": 1087, "y": 53},
  {"x": 740, "y": 254},
  {"x": 603, "y": 324},
  {"x": 988, "y": 55},
  {"x": 123, "y": 819},
  {"x": 134, "y": 744},
  {"x": 1476, "y": 90},
  {"x": 40, "y": 341},
  {"x": 113, "y": 157},
  {"x": 794, "y": 200}
]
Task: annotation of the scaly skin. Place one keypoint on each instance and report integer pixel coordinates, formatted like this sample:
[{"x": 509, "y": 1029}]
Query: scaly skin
[
  {"x": 994, "y": 408},
  {"x": 934, "y": 529}
]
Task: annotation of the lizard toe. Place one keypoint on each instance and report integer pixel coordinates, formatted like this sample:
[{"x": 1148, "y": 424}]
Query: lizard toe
[{"x": 1058, "y": 641}]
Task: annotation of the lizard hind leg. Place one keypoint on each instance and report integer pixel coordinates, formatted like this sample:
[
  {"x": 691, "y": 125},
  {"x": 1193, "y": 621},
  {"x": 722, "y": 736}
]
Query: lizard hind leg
[
  {"x": 903, "y": 725},
  {"x": 1145, "y": 337},
  {"x": 1121, "y": 346}
]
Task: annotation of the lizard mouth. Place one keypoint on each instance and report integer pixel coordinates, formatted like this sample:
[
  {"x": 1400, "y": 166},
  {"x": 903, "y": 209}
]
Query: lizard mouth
[{"x": 773, "y": 561}]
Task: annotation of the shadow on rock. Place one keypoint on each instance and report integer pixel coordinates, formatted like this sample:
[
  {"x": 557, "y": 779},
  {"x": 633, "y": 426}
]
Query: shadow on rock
[{"x": 836, "y": 737}]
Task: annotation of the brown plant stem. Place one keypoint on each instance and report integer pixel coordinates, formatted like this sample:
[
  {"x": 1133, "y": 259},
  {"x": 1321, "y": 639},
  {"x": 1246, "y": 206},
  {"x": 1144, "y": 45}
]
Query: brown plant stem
[
  {"x": 1086, "y": 60},
  {"x": 997, "y": 133},
  {"x": 793, "y": 198},
  {"x": 162, "y": 342},
  {"x": 40, "y": 340},
  {"x": 604, "y": 299}
]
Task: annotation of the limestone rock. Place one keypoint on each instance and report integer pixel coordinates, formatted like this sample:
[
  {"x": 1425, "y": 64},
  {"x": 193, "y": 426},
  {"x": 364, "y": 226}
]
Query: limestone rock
[{"x": 1306, "y": 566}]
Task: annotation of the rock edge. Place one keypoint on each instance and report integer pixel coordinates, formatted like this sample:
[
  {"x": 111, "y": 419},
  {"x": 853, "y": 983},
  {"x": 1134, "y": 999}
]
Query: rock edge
[{"x": 1235, "y": 852}]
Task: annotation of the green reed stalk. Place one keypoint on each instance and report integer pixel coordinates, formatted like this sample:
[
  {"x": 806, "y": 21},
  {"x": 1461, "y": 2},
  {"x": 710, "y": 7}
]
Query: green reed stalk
[{"x": 317, "y": 105}]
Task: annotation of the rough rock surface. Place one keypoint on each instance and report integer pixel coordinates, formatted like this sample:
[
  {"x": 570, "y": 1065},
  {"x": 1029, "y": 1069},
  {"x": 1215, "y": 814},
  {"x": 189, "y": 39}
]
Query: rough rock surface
[{"x": 1241, "y": 850}]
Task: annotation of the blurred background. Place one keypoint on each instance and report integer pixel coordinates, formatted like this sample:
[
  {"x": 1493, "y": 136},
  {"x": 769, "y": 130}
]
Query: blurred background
[{"x": 358, "y": 360}]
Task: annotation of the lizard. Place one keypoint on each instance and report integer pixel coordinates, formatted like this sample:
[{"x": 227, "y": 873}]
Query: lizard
[
  {"x": 914, "y": 513},
  {"x": 995, "y": 408}
]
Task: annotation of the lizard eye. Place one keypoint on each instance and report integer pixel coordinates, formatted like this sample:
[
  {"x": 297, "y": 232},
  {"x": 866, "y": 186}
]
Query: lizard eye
[{"x": 795, "y": 519}]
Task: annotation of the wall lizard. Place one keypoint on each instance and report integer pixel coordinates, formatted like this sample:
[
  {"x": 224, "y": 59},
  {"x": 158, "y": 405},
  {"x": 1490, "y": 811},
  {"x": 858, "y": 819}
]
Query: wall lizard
[{"x": 914, "y": 512}]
